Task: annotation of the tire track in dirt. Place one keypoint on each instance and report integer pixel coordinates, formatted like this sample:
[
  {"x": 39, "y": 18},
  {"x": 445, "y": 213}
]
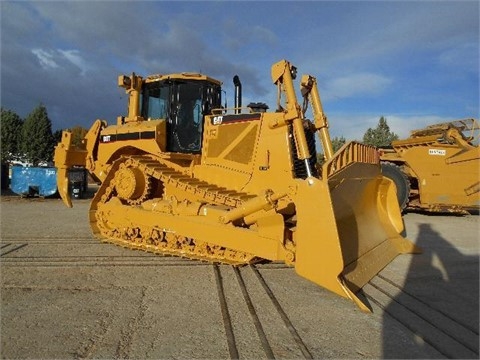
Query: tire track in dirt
[{"x": 128, "y": 334}]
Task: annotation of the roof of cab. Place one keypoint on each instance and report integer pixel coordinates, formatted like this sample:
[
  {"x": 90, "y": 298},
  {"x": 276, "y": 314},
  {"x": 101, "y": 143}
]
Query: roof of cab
[{"x": 181, "y": 76}]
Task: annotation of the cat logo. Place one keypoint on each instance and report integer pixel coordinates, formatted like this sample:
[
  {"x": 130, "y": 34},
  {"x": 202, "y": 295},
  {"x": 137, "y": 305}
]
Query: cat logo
[{"x": 217, "y": 120}]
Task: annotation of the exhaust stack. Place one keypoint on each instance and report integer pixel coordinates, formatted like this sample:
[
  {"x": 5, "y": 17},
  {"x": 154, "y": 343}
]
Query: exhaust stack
[{"x": 238, "y": 94}]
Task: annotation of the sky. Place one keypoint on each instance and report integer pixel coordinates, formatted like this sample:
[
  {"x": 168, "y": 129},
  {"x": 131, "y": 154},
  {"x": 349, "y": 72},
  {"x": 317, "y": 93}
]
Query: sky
[{"x": 414, "y": 62}]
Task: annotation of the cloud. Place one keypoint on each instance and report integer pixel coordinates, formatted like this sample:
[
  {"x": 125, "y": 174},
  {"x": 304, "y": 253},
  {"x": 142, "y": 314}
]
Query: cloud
[
  {"x": 55, "y": 59},
  {"x": 368, "y": 62},
  {"x": 402, "y": 125},
  {"x": 45, "y": 58},
  {"x": 463, "y": 55},
  {"x": 354, "y": 126},
  {"x": 359, "y": 84},
  {"x": 75, "y": 58},
  {"x": 360, "y": 36},
  {"x": 239, "y": 37}
]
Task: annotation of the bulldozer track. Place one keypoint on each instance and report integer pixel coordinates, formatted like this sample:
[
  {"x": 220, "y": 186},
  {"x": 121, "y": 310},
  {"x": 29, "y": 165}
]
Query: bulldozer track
[
  {"x": 91, "y": 261},
  {"x": 255, "y": 318},
  {"x": 160, "y": 170},
  {"x": 267, "y": 343},
  {"x": 449, "y": 336},
  {"x": 49, "y": 240},
  {"x": 11, "y": 255},
  {"x": 10, "y": 248},
  {"x": 286, "y": 320},
  {"x": 156, "y": 239}
]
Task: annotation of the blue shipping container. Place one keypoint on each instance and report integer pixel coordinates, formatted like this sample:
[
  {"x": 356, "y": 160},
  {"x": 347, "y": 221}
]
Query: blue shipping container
[{"x": 30, "y": 181}]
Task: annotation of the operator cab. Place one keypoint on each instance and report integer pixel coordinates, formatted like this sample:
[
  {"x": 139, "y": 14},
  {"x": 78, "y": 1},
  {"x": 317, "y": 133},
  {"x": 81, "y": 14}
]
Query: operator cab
[{"x": 183, "y": 102}]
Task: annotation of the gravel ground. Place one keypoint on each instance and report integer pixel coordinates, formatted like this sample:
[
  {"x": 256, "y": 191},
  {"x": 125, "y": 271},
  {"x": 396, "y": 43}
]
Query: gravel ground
[{"x": 66, "y": 295}]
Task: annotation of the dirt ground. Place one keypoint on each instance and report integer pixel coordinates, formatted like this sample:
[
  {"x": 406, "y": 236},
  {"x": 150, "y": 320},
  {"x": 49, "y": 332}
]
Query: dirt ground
[{"x": 66, "y": 295}]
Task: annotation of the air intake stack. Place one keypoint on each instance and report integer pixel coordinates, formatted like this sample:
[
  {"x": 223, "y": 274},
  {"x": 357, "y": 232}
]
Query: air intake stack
[{"x": 238, "y": 94}]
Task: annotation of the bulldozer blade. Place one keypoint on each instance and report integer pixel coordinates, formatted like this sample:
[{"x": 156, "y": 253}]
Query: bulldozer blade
[{"x": 348, "y": 229}]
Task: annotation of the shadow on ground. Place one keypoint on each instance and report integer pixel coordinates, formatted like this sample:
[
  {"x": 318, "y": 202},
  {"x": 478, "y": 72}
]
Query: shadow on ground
[{"x": 442, "y": 291}]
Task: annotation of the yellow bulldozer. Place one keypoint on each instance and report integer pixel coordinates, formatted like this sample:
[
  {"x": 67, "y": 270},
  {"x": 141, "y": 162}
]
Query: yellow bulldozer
[
  {"x": 437, "y": 168},
  {"x": 183, "y": 175}
]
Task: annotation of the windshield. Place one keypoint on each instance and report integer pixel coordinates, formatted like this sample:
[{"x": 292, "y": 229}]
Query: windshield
[
  {"x": 155, "y": 101},
  {"x": 183, "y": 104}
]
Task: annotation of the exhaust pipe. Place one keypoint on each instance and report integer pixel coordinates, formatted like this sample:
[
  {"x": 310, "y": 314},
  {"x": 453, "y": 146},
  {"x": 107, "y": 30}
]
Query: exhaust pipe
[{"x": 238, "y": 94}]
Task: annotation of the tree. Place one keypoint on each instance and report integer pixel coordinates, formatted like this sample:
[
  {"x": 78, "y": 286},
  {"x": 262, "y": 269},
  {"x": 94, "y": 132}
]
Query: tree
[
  {"x": 78, "y": 133},
  {"x": 11, "y": 128},
  {"x": 37, "y": 140},
  {"x": 337, "y": 143},
  {"x": 57, "y": 137},
  {"x": 381, "y": 136}
]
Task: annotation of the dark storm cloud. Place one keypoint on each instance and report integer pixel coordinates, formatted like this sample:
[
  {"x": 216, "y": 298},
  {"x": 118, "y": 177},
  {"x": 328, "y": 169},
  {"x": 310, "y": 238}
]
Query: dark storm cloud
[
  {"x": 67, "y": 55},
  {"x": 413, "y": 62}
]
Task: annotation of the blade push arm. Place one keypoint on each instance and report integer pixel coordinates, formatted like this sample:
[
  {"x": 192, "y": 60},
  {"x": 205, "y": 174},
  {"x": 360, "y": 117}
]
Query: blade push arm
[
  {"x": 283, "y": 74},
  {"x": 310, "y": 91}
]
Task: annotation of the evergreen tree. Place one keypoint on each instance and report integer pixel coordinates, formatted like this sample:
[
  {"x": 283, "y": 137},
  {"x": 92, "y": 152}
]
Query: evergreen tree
[
  {"x": 381, "y": 136},
  {"x": 78, "y": 133},
  {"x": 337, "y": 143},
  {"x": 57, "y": 137},
  {"x": 37, "y": 139},
  {"x": 10, "y": 130}
]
